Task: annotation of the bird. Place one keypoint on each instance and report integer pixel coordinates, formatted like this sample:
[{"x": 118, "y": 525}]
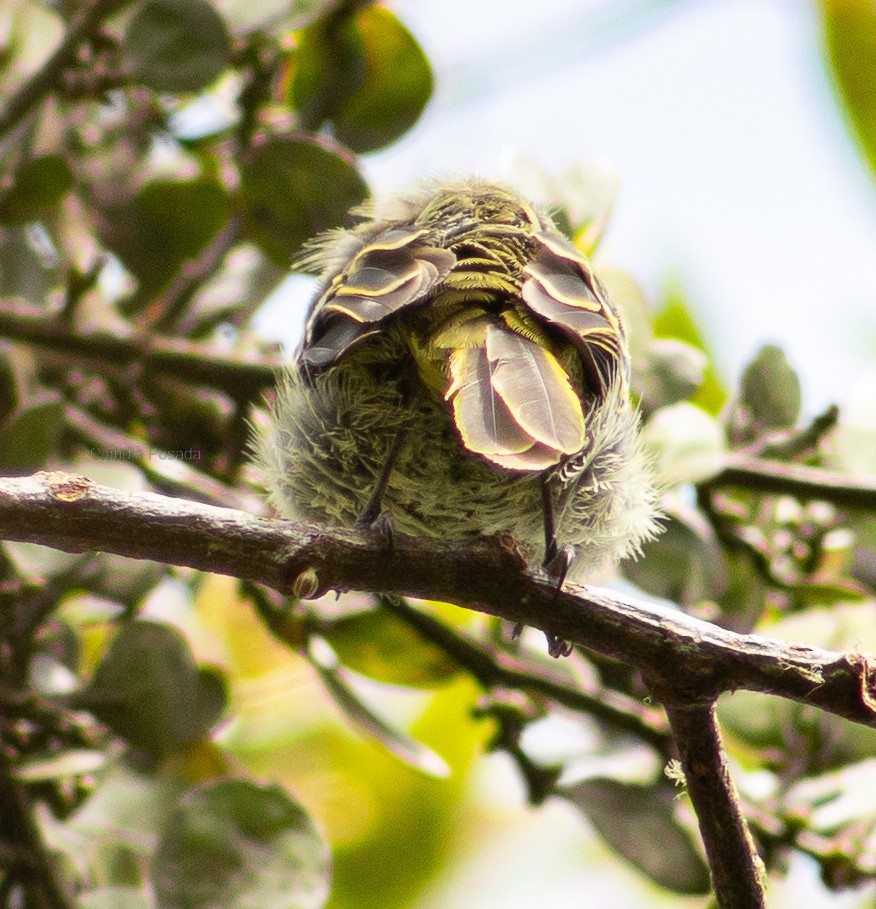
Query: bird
[{"x": 463, "y": 372}]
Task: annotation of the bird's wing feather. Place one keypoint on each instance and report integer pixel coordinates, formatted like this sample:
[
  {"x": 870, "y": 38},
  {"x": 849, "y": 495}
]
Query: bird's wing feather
[
  {"x": 561, "y": 288},
  {"x": 389, "y": 272},
  {"x": 536, "y": 390}
]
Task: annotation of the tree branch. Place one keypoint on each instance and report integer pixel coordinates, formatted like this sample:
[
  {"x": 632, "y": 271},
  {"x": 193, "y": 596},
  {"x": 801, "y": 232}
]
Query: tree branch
[
  {"x": 20, "y": 831},
  {"x": 238, "y": 376},
  {"x": 45, "y": 80},
  {"x": 689, "y": 658},
  {"x": 500, "y": 670},
  {"x": 737, "y": 871},
  {"x": 797, "y": 480}
]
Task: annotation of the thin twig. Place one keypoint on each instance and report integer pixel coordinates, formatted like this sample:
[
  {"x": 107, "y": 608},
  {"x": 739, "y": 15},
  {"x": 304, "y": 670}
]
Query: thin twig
[
  {"x": 796, "y": 480},
  {"x": 18, "y": 826},
  {"x": 181, "y": 479},
  {"x": 498, "y": 670},
  {"x": 165, "y": 311},
  {"x": 241, "y": 376},
  {"x": 788, "y": 443},
  {"x": 46, "y": 79},
  {"x": 737, "y": 872},
  {"x": 692, "y": 658}
]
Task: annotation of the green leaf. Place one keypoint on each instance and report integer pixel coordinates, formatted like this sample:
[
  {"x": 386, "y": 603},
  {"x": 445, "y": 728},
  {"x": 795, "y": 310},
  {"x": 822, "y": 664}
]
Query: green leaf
[
  {"x": 672, "y": 371},
  {"x": 148, "y": 689},
  {"x": 39, "y": 184},
  {"x": 396, "y": 87},
  {"x": 294, "y": 188},
  {"x": 674, "y": 319},
  {"x": 377, "y": 644},
  {"x": 30, "y": 436},
  {"x": 328, "y": 68},
  {"x": 684, "y": 564},
  {"x": 639, "y": 823},
  {"x": 817, "y": 741},
  {"x": 176, "y": 45},
  {"x": 412, "y": 752},
  {"x": 688, "y": 445},
  {"x": 236, "y": 844},
  {"x": 164, "y": 224},
  {"x": 770, "y": 389},
  {"x": 849, "y": 28}
]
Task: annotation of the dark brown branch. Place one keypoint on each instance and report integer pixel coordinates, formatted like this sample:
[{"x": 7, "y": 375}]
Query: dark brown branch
[
  {"x": 494, "y": 670},
  {"x": 796, "y": 480},
  {"x": 737, "y": 871},
  {"x": 238, "y": 376},
  {"x": 692, "y": 659},
  {"x": 46, "y": 79},
  {"x": 19, "y": 830},
  {"x": 788, "y": 443},
  {"x": 184, "y": 480}
]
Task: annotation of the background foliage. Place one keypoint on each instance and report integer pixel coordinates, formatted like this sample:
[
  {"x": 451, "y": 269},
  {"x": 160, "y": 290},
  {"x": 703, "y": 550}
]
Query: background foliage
[{"x": 162, "y": 162}]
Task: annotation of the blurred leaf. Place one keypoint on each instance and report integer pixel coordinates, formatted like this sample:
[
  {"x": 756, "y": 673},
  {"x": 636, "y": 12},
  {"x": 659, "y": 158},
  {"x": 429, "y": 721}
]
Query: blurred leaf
[
  {"x": 687, "y": 443},
  {"x": 176, "y": 45},
  {"x": 293, "y": 189},
  {"x": 113, "y": 898},
  {"x": 126, "y": 580},
  {"x": 806, "y": 736},
  {"x": 675, "y": 320},
  {"x": 770, "y": 389},
  {"x": 377, "y": 644},
  {"x": 235, "y": 844},
  {"x": 412, "y": 752},
  {"x": 35, "y": 561},
  {"x": 672, "y": 371},
  {"x": 40, "y": 183},
  {"x": 849, "y": 28},
  {"x": 626, "y": 294},
  {"x": 746, "y": 595},
  {"x": 165, "y": 223},
  {"x": 684, "y": 564},
  {"x": 148, "y": 689},
  {"x": 639, "y": 823},
  {"x": 834, "y": 800},
  {"x": 128, "y": 807},
  {"x": 30, "y": 436},
  {"x": 396, "y": 87},
  {"x": 328, "y": 68}
]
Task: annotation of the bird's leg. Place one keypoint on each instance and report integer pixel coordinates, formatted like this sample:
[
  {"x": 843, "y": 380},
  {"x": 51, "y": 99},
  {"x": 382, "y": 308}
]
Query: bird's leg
[
  {"x": 556, "y": 561},
  {"x": 372, "y": 517}
]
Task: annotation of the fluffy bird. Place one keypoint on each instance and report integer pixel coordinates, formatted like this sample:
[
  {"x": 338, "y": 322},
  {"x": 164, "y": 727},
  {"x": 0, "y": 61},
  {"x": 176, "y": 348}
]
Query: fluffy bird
[{"x": 463, "y": 371}]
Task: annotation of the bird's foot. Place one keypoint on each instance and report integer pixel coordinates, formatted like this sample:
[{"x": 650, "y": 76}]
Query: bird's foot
[
  {"x": 379, "y": 522},
  {"x": 557, "y": 563}
]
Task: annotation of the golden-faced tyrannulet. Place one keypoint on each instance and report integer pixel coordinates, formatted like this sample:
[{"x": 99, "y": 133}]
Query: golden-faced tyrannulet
[{"x": 463, "y": 368}]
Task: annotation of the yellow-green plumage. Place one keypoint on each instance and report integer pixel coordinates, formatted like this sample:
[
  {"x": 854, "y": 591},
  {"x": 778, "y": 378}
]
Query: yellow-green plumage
[{"x": 461, "y": 335}]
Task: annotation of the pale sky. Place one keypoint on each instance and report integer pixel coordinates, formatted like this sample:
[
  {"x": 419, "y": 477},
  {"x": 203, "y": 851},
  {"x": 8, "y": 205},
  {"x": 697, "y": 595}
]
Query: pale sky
[{"x": 736, "y": 173}]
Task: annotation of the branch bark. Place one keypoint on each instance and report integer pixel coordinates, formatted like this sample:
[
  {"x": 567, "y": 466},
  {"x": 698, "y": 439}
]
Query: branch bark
[
  {"x": 738, "y": 875},
  {"x": 688, "y": 658}
]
